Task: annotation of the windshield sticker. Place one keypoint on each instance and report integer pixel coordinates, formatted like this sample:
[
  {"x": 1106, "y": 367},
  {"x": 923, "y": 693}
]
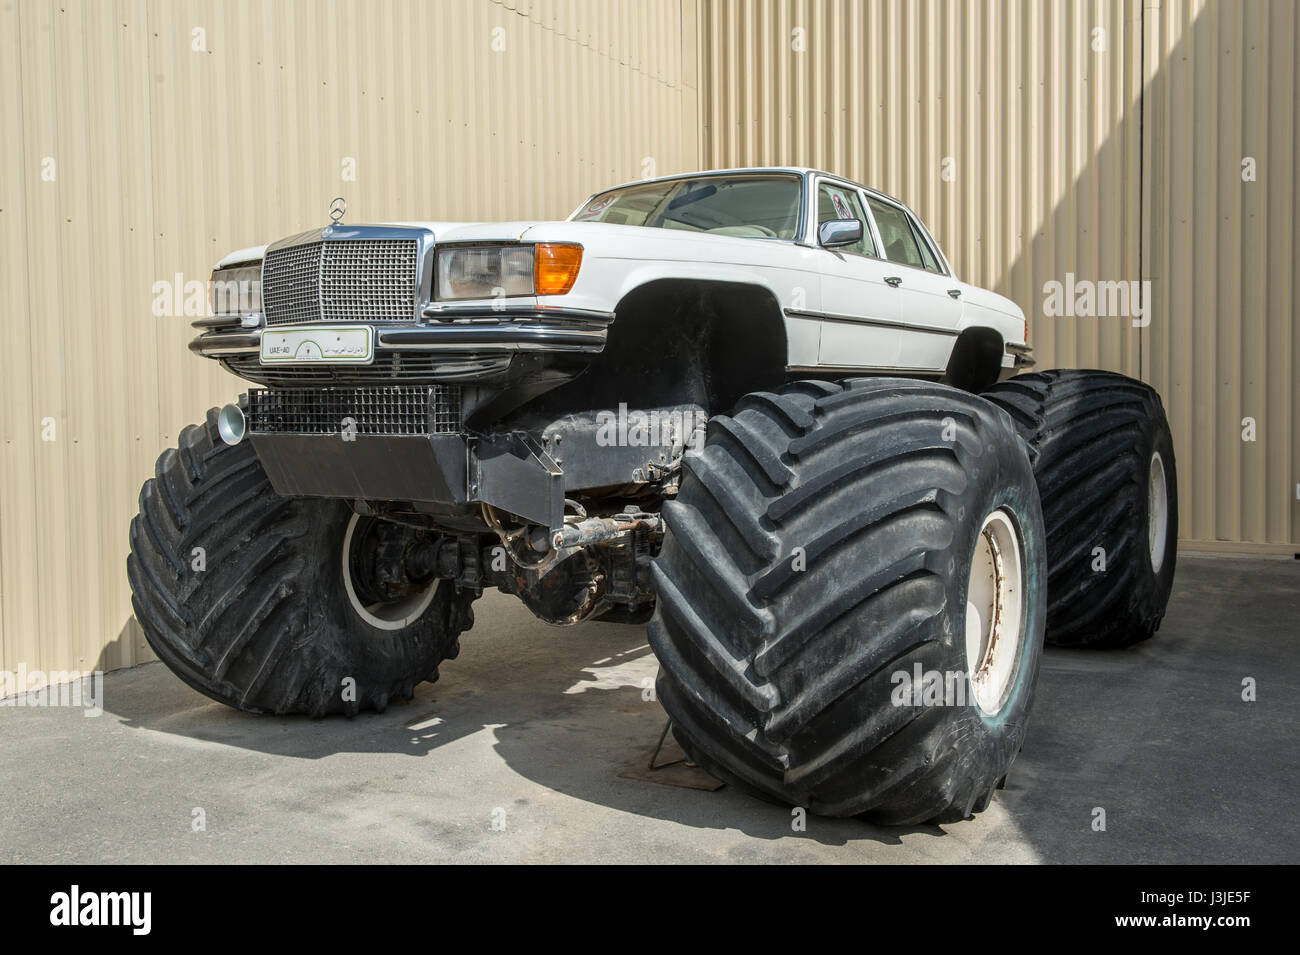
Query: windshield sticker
[
  {"x": 596, "y": 207},
  {"x": 841, "y": 204}
]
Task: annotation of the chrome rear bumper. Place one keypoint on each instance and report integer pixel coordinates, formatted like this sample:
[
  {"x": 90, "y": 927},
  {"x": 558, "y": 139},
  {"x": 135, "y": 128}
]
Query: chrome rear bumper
[{"x": 1023, "y": 356}]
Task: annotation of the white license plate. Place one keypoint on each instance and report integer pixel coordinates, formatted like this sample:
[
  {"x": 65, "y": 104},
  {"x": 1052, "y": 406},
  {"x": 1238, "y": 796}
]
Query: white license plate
[{"x": 319, "y": 344}]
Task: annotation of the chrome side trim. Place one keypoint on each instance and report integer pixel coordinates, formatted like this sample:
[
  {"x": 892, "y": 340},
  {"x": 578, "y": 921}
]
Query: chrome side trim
[
  {"x": 864, "y": 370},
  {"x": 876, "y": 322}
]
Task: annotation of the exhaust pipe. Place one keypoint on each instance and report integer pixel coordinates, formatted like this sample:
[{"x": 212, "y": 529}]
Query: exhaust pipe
[
  {"x": 595, "y": 530},
  {"x": 231, "y": 424}
]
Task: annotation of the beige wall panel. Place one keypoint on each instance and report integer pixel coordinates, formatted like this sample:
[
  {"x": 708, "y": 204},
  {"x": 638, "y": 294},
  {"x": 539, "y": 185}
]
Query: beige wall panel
[
  {"x": 1223, "y": 256},
  {"x": 173, "y": 147},
  {"x": 19, "y": 170},
  {"x": 1098, "y": 138},
  {"x": 1036, "y": 129}
]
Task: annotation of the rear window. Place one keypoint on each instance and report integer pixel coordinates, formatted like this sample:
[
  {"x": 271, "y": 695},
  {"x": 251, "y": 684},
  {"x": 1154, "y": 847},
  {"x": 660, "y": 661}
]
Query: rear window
[{"x": 759, "y": 207}]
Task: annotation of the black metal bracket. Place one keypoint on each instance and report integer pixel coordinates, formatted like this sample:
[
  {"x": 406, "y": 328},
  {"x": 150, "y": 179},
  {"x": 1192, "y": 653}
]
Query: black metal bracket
[
  {"x": 652, "y": 765},
  {"x": 512, "y": 472}
]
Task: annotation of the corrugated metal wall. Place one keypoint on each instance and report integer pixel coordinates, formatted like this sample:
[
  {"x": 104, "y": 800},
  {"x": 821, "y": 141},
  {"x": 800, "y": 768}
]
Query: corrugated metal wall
[
  {"x": 142, "y": 140},
  {"x": 996, "y": 122},
  {"x": 1223, "y": 254},
  {"x": 1102, "y": 138}
]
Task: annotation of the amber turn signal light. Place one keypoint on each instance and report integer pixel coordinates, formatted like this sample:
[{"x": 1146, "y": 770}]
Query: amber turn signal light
[{"x": 555, "y": 267}]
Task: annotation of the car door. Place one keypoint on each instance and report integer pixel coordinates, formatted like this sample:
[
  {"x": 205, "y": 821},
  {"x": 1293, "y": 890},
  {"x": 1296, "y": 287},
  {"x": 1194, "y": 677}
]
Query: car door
[
  {"x": 929, "y": 303},
  {"x": 858, "y": 307}
]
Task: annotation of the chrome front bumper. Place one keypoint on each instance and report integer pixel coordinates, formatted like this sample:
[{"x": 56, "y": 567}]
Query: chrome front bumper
[{"x": 480, "y": 330}]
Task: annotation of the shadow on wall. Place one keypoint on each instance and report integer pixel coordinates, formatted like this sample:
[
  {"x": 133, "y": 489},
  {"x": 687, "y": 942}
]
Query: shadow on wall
[
  {"x": 1198, "y": 248},
  {"x": 1091, "y": 234},
  {"x": 128, "y": 648}
]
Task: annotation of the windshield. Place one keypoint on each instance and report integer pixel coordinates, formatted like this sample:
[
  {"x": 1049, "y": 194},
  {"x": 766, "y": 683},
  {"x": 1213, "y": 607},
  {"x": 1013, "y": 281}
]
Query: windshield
[{"x": 760, "y": 207}]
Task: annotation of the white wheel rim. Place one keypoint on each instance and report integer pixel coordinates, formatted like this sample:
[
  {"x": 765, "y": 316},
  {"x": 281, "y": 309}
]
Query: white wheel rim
[
  {"x": 388, "y": 616},
  {"x": 994, "y": 612},
  {"x": 1157, "y": 512}
]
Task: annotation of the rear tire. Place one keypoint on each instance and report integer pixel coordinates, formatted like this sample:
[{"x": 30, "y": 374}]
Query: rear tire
[
  {"x": 1104, "y": 461},
  {"x": 263, "y": 618},
  {"x": 818, "y": 556}
]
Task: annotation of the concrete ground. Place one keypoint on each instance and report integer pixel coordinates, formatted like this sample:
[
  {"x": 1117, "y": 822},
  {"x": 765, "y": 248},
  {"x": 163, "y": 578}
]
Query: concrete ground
[{"x": 531, "y": 726}]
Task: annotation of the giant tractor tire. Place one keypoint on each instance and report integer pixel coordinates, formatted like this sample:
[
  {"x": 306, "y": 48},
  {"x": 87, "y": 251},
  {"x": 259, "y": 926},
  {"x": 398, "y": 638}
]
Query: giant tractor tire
[
  {"x": 253, "y": 598},
  {"x": 1104, "y": 460},
  {"x": 851, "y": 599}
]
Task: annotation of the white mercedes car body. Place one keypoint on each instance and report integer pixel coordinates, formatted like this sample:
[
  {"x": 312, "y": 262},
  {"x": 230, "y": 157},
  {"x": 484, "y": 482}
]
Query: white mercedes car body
[{"x": 888, "y": 303}]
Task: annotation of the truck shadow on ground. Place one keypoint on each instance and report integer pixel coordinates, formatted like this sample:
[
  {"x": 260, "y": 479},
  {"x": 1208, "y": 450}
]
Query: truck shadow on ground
[
  {"x": 1158, "y": 736},
  {"x": 566, "y": 709}
]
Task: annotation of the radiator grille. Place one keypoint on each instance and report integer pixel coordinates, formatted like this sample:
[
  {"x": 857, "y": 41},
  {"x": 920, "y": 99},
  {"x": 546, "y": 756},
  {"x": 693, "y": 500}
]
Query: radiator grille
[
  {"x": 406, "y": 367},
  {"x": 291, "y": 284},
  {"x": 371, "y": 280},
  {"x": 390, "y": 410},
  {"x": 345, "y": 280}
]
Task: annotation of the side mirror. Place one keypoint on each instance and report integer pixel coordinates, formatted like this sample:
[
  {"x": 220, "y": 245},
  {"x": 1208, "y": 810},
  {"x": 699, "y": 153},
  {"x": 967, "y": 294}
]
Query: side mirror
[{"x": 837, "y": 232}]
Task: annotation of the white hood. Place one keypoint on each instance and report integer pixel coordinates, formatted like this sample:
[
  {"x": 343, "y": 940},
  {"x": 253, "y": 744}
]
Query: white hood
[{"x": 442, "y": 232}]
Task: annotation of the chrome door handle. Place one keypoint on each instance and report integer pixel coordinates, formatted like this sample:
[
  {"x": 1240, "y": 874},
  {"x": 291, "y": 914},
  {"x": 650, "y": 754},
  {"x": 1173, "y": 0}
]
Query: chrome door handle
[
  {"x": 955, "y": 292},
  {"x": 894, "y": 280}
]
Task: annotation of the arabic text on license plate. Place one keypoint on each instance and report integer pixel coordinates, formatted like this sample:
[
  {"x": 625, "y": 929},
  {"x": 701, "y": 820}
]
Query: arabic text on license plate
[{"x": 320, "y": 344}]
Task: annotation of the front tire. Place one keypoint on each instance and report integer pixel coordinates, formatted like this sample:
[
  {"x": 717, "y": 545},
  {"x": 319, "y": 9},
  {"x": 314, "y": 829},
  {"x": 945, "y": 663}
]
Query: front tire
[
  {"x": 246, "y": 596},
  {"x": 1103, "y": 457},
  {"x": 819, "y": 561}
]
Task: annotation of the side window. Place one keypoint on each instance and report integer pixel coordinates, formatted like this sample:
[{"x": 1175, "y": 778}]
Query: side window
[
  {"x": 837, "y": 202},
  {"x": 927, "y": 253},
  {"x": 896, "y": 233}
]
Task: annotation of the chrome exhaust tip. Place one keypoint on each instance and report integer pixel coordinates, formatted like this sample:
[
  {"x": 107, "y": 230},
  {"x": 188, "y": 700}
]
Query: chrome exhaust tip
[{"x": 231, "y": 424}]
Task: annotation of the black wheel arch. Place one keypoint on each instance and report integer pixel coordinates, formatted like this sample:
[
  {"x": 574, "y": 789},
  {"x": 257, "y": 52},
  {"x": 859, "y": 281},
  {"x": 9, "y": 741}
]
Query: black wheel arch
[
  {"x": 678, "y": 341},
  {"x": 976, "y": 359}
]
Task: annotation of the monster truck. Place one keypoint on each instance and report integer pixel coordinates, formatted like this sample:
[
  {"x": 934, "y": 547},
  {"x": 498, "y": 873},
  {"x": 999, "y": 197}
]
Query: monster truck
[{"x": 754, "y": 408}]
